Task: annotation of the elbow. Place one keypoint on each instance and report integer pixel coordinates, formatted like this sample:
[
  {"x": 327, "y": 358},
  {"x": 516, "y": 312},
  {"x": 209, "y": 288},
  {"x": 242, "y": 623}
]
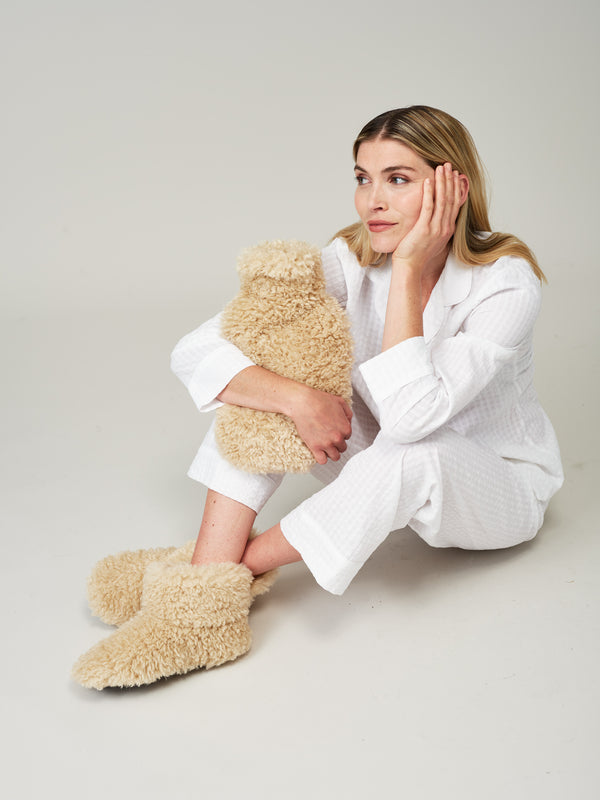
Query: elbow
[
  {"x": 178, "y": 356},
  {"x": 401, "y": 433},
  {"x": 415, "y": 423},
  {"x": 402, "y": 428},
  {"x": 175, "y": 362},
  {"x": 180, "y": 367}
]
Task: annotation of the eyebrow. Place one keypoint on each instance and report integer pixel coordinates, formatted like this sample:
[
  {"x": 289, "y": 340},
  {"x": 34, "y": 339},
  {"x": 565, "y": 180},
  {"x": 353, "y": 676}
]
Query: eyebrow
[{"x": 397, "y": 168}]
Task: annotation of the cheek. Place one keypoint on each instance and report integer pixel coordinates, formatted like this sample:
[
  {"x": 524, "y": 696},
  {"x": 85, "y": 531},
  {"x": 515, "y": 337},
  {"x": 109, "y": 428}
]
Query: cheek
[
  {"x": 410, "y": 205},
  {"x": 359, "y": 204}
]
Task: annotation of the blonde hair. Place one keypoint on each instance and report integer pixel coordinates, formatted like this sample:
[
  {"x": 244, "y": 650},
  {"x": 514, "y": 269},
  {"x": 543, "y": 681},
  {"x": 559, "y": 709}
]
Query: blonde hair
[{"x": 437, "y": 138}]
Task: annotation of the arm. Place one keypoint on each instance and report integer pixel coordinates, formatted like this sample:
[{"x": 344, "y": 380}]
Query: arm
[
  {"x": 215, "y": 372},
  {"x": 416, "y": 390},
  {"x": 419, "y": 258},
  {"x": 205, "y": 362},
  {"x": 322, "y": 420}
]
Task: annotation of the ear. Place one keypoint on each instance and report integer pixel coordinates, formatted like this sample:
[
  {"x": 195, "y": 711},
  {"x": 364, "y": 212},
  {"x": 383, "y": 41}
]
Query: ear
[{"x": 464, "y": 188}]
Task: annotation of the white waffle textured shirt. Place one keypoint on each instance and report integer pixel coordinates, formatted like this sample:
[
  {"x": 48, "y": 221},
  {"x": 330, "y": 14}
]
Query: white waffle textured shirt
[{"x": 466, "y": 386}]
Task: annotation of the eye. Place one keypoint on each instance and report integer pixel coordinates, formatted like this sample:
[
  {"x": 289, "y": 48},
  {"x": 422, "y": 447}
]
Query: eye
[
  {"x": 361, "y": 180},
  {"x": 398, "y": 180}
]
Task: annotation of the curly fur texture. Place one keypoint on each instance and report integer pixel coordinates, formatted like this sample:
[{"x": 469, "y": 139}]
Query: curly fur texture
[
  {"x": 114, "y": 587},
  {"x": 190, "y": 617},
  {"x": 284, "y": 320}
]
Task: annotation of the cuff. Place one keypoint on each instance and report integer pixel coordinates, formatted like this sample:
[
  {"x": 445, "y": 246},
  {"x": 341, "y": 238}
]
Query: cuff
[
  {"x": 392, "y": 370},
  {"x": 214, "y": 375}
]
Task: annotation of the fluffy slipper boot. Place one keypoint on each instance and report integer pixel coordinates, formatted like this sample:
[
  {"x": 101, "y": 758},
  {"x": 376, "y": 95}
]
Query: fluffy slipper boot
[
  {"x": 114, "y": 587},
  {"x": 190, "y": 617}
]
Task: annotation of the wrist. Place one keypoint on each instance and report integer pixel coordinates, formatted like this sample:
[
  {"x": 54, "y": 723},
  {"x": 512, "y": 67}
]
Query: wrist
[
  {"x": 407, "y": 280},
  {"x": 294, "y": 397},
  {"x": 410, "y": 267}
]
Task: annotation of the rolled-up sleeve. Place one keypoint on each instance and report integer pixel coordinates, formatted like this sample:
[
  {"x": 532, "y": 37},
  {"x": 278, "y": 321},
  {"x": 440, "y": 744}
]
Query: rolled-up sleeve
[
  {"x": 205, "y": 362},
  {"x": 335, "y": 281},
  {"x": 418, "y": 387}
]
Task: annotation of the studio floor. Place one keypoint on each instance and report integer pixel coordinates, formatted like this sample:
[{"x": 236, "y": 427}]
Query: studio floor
[{"x": 439, "y": 673}]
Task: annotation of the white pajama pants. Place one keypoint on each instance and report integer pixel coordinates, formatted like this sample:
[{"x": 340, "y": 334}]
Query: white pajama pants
[{"x": 453, "y": 492}]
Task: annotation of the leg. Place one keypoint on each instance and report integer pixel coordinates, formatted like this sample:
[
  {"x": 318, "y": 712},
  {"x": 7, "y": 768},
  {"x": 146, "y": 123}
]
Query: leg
[
  {"x": 224, "y": 535},
  {"x": 233, "y": 500},
  {"x": 115, "y": 585},
  {"x": 453, "y": 492},
  {"x": 224, "y": 531},
  {"x": 190, "y": 614},
  {"x": 269, "y": 551}
]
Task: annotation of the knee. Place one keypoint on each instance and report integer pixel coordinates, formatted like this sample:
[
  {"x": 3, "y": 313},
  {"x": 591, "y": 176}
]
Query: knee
[
  {"x": 440, "y": 448},
  {"x": 386, "y": 456},
  {"x": 429, "y": 448}
]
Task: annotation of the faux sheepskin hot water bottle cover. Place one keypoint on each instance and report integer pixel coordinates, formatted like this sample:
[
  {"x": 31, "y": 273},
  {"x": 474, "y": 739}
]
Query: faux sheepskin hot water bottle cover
[{"x": 284, "y": 320}]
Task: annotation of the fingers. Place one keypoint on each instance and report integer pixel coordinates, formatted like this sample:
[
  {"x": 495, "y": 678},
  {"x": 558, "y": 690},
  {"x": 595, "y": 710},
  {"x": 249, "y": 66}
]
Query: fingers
[
  {"x": 337, "y": 445},
  {"x": 333, "y": 452},
  {"x": 320, "y": 456},
  {"x": 428, "y": 204},
  {"x": 457, "y": 190},
  {"x": 439, "y": 198},
  {"x": 447, "y": 200},
  {"x": 324, "y": 424}
]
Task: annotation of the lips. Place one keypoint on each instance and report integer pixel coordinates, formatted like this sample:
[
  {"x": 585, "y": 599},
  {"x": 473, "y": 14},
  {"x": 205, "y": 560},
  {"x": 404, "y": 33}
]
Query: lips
[{"x": 379, "y": 226}]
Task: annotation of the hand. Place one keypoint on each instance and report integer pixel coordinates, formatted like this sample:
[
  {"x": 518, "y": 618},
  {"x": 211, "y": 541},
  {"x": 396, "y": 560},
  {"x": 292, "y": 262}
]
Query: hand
[
  {"x": 323, "y": 422},
  {"x": 426, "y": 243}
]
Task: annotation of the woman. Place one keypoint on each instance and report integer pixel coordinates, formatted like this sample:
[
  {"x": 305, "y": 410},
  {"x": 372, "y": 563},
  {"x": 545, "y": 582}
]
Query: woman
[{"x": 446, "y": 433}]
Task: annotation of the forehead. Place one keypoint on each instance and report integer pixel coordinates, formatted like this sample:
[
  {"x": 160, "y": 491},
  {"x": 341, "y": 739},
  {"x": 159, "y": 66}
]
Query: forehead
[{"x": 379, "y": 154}]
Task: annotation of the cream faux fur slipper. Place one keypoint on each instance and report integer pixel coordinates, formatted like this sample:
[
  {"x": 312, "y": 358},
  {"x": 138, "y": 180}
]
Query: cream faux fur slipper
[
  {"x": 190, "y": 617},
  {"x": 114, "y": 587}
]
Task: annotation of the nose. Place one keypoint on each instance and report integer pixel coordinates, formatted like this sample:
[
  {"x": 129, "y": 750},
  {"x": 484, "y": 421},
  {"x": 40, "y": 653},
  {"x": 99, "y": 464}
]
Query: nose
[{"x": 377, "y": 200}]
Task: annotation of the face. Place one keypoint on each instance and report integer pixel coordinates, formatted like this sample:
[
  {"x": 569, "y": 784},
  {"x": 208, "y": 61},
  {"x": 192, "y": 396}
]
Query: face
[{"x": 389, "y": 190}]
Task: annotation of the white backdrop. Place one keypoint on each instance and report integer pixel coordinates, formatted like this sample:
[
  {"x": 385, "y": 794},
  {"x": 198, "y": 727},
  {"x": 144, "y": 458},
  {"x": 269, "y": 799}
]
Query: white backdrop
[{"x": 144, "y": 143}]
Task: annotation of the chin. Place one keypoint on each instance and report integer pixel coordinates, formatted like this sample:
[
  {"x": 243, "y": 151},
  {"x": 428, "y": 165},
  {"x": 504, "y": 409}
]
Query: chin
[{"x": 379, "y": 244}]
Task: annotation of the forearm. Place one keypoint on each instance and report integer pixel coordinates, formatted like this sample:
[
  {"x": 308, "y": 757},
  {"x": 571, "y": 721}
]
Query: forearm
[
  {"x": 323, "y": 420},
  {"x": 205, "y": 362},
  {"x": 268, "y": 551},
  {"x": 419, "y": 258},
  {"x": 262, "y": 390},
  {"x": 404, "y": 312}
]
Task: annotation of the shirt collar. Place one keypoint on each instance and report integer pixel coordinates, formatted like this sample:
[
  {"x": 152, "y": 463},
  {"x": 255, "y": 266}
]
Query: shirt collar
[
  {"x": 453, "y": 287},
  {"x": 455, "y": 281}
]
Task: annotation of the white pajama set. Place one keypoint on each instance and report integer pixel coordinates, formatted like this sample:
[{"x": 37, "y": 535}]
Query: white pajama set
[{"x": 448, "y": 435}]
